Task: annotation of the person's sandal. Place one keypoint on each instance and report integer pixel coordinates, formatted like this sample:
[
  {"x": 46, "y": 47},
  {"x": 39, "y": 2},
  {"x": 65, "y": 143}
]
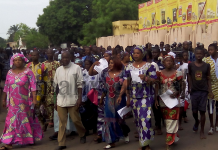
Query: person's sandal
[
  {"x": 210, "y": 131},
  {"x": 98, "y": 139},
  {"x": 5, "y": 147}
]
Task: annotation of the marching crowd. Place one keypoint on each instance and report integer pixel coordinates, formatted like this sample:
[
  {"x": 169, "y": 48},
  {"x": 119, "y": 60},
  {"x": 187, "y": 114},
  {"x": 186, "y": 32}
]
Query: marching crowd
[{"x": 62, "y": 88}]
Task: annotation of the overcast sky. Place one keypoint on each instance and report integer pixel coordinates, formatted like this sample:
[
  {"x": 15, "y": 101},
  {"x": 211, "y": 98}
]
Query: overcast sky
[{"x": 19, "y": 11}]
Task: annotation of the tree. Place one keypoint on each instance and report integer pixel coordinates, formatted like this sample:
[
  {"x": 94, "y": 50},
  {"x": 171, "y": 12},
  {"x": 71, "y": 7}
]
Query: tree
[
  {"x": 105, "y": 12},
  {"x": 2, "y": 42},
  {"x": 11, "y": 32},
  {"x": 63, "y": 20},
  {"x": 22, "y": 32},
  {"x": 30, "y": 36},
  {"x": 36, "y": 39}
]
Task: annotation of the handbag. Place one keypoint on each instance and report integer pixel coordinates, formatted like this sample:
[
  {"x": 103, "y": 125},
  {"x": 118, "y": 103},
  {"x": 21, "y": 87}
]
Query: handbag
[{"x": 93, "y": 96}]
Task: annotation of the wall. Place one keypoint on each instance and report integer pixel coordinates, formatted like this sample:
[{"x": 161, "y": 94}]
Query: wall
[
  {"x": 198, "y": 33},
  {"x": 125, "y": 27}
]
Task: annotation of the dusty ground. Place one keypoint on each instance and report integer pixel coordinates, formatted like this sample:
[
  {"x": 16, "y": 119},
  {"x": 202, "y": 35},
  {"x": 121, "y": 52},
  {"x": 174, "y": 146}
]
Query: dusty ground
[{"x": 188, "y": 139}]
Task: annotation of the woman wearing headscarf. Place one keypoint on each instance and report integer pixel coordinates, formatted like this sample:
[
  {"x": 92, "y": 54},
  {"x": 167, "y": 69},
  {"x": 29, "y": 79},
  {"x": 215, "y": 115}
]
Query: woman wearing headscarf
[
  {"x": 21, "y": 125},
  {"x": 170, "y": 80},
  {"x": 140, "y": 94}
]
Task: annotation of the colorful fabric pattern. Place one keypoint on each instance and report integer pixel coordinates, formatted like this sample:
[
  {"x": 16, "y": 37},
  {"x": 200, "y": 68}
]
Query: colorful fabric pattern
[
  {"x": 112, "y": 130},
  {"x": 171, "y": 116},
  {"x": 49, "y": 102},
  {"x": 40, "y": 72},
  {"x": 141, "y": 102},
  {"x": 214, "y": 79},
  {"x": 21, "y": 124}
]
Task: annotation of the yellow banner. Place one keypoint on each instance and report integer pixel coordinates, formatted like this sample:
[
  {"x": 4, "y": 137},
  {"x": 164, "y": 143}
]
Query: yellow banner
[
  {"x": 151, "y": 15},
  {"x": 161, "y": 14},
  {"x": 212, "y": 11},
  {"x": 199, "y": 12},
  {"x": 142, "y": 17},
  {"x": 172, "y": 13},
  {"x": 185, "y": 13},
  {"x": 161, "y": 18}
]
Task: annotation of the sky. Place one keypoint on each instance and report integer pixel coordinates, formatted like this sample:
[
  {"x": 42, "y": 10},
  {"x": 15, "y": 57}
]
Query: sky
[{"x": 19, "y": 11}]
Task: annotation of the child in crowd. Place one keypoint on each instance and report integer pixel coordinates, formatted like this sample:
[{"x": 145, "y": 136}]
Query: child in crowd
[{"x": 170, "y": 79}]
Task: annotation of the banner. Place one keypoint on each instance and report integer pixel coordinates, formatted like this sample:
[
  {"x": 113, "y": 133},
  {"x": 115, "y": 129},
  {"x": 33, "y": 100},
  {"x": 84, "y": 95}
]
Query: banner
[
  {"x": 199, "y": 12},
  {"x": 162, "y": 14},
  {"x": 212, "y": 11},
  {"x": 172, "y": 13},
  {"x": 161, "y": 19},
  {"x": 185, "y": 13},
  {"x": 151, "y": 15},
  {"x": 142, "y": 16}
]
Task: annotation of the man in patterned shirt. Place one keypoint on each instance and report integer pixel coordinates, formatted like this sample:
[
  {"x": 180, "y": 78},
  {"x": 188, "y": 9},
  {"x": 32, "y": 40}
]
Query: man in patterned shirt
[
  {"x": 40, "y": 72},
  {"x": 51, "y": 66}
]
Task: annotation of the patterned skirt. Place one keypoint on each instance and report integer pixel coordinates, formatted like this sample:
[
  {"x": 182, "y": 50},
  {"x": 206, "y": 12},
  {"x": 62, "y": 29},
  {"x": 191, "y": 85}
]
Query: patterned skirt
[
  {"x": 114, "y": 127},
  {"x": 142, "y": 115},
  {"x": 171, "y": 117},
  {"x": 21, "y": 127}
]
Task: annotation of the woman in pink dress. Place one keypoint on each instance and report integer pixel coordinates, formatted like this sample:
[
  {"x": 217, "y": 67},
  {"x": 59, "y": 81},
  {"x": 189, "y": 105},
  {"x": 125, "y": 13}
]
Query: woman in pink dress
[{"x": 21, "y": 125}]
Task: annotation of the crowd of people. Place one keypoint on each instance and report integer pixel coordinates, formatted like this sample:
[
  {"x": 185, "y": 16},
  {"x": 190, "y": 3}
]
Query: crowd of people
[{"x": 62, "y": 88}]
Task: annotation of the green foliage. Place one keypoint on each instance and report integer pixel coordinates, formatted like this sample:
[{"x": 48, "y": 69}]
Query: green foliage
[
  {"x": 11, "y": 32},
  {"x": 22, "y": 32},
  {"x": 82, "y": 21},
  {"x": 63, "y": 20},
  {"x": 106, "y": 12},
  {"x": 30, "y": 36},
  {"x": 2, "y": 42},
  {"x": 36, "y": 39}
]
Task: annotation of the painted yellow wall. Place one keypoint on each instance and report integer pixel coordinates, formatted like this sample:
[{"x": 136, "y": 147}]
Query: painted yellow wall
[{"x": 125, "y": 27}]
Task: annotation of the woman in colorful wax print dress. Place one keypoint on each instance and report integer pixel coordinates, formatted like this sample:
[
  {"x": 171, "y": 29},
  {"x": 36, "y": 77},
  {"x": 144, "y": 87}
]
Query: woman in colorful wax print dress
[
  {"x": 21, "y": 125},
  {"x": 100, "y": 121},
  {"x": 170, "y": 79},
  {"x": 114, "y": 126},
  {"x": 140, "y": 94}
]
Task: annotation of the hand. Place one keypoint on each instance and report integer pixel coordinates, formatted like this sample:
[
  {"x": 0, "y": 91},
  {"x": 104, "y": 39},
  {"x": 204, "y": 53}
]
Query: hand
[
  {"x": 156, "y": 104},
  {"x": 182, "y": 96},
  {"x": 148, "y": 79},
  {"x": 35, "y": 102},
  {"x": 173, "y": 95},
  {"x": 97, "y": 63},
  {"x": 119, "y": 99},
  {"x": 210, "y": 95},
  {"x": 79, "y": 102},
  {"x": 101, "y": 103},
  {"x": 142, "y": 77},
  {"x": 127, "y": 103},
  {"x": 4, "y": 104}
]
